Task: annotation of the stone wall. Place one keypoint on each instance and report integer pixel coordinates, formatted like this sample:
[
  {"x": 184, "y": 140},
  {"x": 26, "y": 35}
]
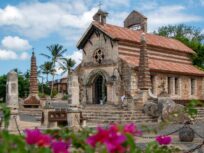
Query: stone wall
[{"x": 184, "y": 86}]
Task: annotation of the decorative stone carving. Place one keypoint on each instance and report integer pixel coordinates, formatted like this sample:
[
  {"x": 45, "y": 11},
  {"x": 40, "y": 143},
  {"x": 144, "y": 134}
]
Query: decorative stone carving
[
  {"x": 33, "y": 98},
  {"x": 12, "y": 90}
]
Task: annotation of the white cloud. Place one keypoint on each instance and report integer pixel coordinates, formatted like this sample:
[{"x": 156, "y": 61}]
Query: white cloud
[
  {"x": 7, "y": 55},
  {"x": 11, "y": 16},
  {"x": 24, "y": 56},
  {"x": 202, "y": 2},
  {"x": 15, "y": 43},
  {"x": 77, "y": 56},
  {"x": 12, "y": 55},
  {"x": 37, "y": 20},
  {"x": 165, "y": 15}
]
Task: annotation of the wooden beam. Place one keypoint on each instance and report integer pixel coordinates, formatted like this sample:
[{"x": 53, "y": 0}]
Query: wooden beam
[
  {"x": 84, "y": 51},
  {"x": 104, "y": 36},
  {"x": 90, "y": 42},
  {"x": 111, "y": 43},
  {"x": 97, "y": 33}
]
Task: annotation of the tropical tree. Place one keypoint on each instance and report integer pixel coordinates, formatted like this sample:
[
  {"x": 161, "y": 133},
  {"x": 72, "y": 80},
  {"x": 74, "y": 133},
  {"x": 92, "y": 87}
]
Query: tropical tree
[
  {"x": 66, "y": 65},
  {"x": 56, "y": 53},
  {"x": 46, "y": 69}
]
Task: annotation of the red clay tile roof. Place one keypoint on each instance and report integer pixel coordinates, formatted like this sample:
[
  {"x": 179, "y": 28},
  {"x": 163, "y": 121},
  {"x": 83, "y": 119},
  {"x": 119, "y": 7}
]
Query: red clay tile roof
[
  {"x": 125, "y": 34},
  {"x": 165, "y": 66}
]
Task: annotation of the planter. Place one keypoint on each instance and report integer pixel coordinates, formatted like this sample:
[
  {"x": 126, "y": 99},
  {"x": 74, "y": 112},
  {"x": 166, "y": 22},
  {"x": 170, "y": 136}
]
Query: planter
[{"x": 186, "y": 134}]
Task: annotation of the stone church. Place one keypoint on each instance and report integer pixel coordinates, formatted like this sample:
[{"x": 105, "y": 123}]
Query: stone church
[{"x": 123, "y": 61}]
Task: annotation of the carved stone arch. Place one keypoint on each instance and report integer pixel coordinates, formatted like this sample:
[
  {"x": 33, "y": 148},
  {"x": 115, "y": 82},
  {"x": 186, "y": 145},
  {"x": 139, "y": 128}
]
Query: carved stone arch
[{"x": 89, "y": 80}]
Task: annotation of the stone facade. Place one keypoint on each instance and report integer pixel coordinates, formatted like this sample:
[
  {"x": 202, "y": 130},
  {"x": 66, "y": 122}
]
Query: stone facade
[{"x": 125, "y": 66}]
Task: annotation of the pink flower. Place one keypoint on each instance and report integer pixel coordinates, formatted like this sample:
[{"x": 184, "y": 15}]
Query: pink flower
[
  {"x": 35, "y": 137},
  {"x": 131, "y": 129},
  {"x": 44, "y": 140},
  {"x": 115, "y": 140},
  {"x": 60, "y": 147},
  {"x": 112, "y": 138},
  {"x": 99, "y": 137},
  {"x": 163, "y": 140},
  {"x": 32, "y": 136}
]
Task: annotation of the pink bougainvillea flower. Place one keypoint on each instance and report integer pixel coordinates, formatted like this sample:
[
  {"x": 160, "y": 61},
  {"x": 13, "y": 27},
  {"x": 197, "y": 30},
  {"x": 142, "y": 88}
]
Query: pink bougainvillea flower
[
  {"x": 44, "y": 140},
  {"x": 112, "y": 138},
  {"x": 131, "y": 129},
  {"x": 163, "y": 140},
  {"x": 32, "y": 136},
  {"x": 99, "y": 137},
  {"x": 60, "y": 147},
  {"x": 35, "y": 137},
  {"x": 115, "y": 140}
]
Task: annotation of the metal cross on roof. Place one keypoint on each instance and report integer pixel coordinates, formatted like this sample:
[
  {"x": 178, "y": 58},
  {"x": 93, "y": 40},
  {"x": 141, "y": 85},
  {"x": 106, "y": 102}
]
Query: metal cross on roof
[
  {"x": 33, "y": 50},
  {"x": 100, "y": 4}
]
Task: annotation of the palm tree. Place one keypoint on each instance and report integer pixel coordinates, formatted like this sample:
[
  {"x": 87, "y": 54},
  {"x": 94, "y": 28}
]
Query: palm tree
[
  {"x": 66, "y": 65},
  {"x": 46, "y": 69},
  {"x": 56, "y": 52}
]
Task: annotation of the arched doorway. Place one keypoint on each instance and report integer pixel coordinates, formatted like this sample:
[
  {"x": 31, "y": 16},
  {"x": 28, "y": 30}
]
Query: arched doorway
[{"x": 99, "y": 90}]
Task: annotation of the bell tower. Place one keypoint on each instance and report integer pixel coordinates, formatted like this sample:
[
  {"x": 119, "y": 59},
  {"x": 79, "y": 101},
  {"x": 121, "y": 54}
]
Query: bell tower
[
  {"x": 136, "y": 21},
  {"x": 100, "y": 16}
]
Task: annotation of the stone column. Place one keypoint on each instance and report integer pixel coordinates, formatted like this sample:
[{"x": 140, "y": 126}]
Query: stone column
[
  {"x": 33, "y": 76},
  {"x": 74, "y": 89},
  {"x": 12, "y": 90},
  {"x": 144, "y": 81},
  {"x": 33, "y": 98},
  {"x": 12, "y": 100}
]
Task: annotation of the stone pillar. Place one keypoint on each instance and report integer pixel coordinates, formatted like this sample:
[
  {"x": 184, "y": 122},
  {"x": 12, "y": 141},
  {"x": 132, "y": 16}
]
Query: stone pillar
[
  {"x": 33, "y": 98},
  {"x": 33, "y": 76},
  {"x": 12, "y": 90},
  {"x": 144, "y": 81},
  {"x": 74, "y": 90},
  {"x": 12, "y": 100},
  {"x": 73, "y": 119}
]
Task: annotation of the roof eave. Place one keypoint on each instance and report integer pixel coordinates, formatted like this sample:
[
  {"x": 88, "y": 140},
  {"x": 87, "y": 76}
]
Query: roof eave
[{"x": 80, "y": 42}]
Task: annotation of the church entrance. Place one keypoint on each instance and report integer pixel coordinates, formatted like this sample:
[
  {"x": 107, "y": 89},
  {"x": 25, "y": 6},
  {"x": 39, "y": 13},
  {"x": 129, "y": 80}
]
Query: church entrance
[{"x": 99, "y": 90}]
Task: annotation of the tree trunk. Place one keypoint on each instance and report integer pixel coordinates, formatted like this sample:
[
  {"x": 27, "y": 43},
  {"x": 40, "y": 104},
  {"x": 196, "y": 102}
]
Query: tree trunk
[
  {"x": 51, "y": 93},
  {"x": 68, "y": 94},
  {"x": 47, "y": 79},
  {"x": 42, "y": 86}
]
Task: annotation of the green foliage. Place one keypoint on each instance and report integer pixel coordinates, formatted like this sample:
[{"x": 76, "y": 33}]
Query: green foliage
[
  {"x": 65, "y": 97},
  {"x": 46, "y": 89},
  {"x": 3, "y": 87},
  {"x": 10, "y": 143},
  {"x": 23, "y": 86},
  {"x": 191, "y": 110},
  {"x": 67, "y": 64},
  {"x": 6, "y": 115},
  {"x": 154, "y": 146},
  {"x": 54, "y": 93}
]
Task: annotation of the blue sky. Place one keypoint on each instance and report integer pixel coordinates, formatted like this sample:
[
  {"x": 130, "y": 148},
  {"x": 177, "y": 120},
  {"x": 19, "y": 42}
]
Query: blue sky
[{"x": 27, "y": 24}]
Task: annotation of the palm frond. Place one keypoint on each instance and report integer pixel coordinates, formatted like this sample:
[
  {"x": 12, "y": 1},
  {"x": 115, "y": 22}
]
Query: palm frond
[{"x": 45, "y": 55}]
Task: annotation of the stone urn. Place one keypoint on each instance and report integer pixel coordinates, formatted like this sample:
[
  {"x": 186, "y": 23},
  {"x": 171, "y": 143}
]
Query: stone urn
[{"x": 186, "y": 134}]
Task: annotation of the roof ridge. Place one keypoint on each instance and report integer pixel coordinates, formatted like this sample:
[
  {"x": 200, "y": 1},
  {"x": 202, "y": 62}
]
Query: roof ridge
[{"x": 125, "y": 34}]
